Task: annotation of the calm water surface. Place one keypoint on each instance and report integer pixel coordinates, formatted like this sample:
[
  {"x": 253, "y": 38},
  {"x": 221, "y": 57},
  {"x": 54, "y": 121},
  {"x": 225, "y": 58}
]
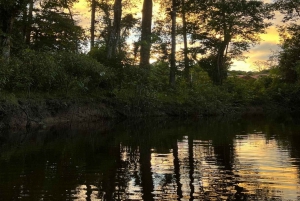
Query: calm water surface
[{"x": 247, "y": 159}]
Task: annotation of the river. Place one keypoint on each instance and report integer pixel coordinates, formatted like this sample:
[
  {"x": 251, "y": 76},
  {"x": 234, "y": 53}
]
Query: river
[{"x": 158, "y": 159}]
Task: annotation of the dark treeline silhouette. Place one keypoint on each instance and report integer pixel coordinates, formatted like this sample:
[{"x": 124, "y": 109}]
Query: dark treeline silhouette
[{"x": 133, "y": 64}]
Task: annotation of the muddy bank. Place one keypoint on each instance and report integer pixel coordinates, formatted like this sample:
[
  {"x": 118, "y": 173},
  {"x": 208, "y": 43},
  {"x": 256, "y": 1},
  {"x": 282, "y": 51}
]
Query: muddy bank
[
  {"x": 42, "y": 113},
  {"x": 34, "y": 113}
]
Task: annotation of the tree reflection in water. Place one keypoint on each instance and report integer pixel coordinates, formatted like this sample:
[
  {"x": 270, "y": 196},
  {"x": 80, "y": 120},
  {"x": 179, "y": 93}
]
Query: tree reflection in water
[{"x": 160, "y": 160}]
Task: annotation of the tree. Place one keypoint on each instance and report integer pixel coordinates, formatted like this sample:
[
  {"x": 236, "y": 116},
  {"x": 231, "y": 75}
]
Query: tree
[
  {"x": 225, "y": 29},
  {"x": 289, "y": 8},
  {"x": 28, "y": 18},
  {"x": 289, "y": 59},
  {"x": 173, "y": 42},
  {"x": 261, "y": 65},
  {"x": 9, "y": 11},
  {"x": 162, "y": 38},
  {"x": 185, "y": 46},
  {"x": 146, "y": 34},
  {"x": 93, "y": 15},
  {"x": 54, "y": 29},
  {"x": 115, "y": 30},
  {"x": 164, "y": 34}
]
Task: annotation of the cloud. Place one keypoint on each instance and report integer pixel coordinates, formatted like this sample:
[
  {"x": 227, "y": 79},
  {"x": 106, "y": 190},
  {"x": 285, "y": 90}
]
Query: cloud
[
  {"x": 240, "y": 65},
  {"x": 271, "y": 35},
  {"x": 261, "y": 51}
]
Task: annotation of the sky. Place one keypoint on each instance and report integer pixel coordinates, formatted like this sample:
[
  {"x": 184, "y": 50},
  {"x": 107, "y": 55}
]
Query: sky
[{"x": 259, "y": 52}]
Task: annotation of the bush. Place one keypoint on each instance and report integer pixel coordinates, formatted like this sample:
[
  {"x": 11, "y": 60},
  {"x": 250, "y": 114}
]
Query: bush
[
  {"x": 36, "y": 72},
  {"x": 241, "y": 91},
  {"x": 5, "y": 72},
  {"x": 52, "y": 72},
  {"x": 80, "y": 72}
]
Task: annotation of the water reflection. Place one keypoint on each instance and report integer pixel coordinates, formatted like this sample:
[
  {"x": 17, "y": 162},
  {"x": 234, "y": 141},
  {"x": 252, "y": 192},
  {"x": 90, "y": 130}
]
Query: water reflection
[
  {"x": 264, "y": 168},
  {"x": 160, "y": 160},
  {"x": 83, "y": 192},
  {"x": 128, "y": 176}
]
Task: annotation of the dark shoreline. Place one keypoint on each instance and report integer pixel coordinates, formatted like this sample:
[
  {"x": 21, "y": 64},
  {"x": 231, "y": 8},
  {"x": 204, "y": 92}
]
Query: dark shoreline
[{"x": 40, "y": 113}]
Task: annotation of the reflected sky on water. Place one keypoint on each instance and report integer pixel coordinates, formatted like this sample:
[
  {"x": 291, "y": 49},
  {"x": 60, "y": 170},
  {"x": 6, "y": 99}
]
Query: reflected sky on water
[{"x": 248, "y": 159}]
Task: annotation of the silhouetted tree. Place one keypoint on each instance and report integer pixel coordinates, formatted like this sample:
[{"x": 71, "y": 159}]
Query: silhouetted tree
[
  {"x": 146, "y": 34},
  {"x": 225, "y": 29},
  {"x": 9, "y": 11},
  {"x": 114, "y": 38}
]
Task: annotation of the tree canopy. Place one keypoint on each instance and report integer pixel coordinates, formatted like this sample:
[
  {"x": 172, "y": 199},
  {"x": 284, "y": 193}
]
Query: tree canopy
[
  {"x": 227, "y": 28},
  {"x": 213, "y": 33}
]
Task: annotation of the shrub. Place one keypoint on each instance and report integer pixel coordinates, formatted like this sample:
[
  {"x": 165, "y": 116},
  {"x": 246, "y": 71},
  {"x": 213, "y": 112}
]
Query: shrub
[
  {"x": 52, "y": 72},
  {"x": 81, "y": 72}
]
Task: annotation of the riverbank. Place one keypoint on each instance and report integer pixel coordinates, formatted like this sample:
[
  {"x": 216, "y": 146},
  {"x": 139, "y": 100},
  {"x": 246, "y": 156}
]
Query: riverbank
[
  {"x": 33, "y": 113},
  {"x": 29, "y": 112},
  {"x": 35, "y": 93}
]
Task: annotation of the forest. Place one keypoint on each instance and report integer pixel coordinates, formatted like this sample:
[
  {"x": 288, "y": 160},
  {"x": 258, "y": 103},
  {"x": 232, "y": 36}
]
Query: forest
[{"x": 134, "y": 64}]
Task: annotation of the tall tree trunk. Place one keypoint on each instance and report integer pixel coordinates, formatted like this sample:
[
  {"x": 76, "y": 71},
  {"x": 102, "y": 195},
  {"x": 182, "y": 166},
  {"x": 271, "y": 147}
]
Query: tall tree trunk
[
  {"x": 185, "y": 47},
  {"x": 221, "y": 59},
  {"x": 29, "y": 23},
  {"x": 173, "y": 48},
  {"x": 93, "y": 12},
  {"x": 25, "y": 22},
  {"x": 222, "y": 51},
  {"x": 114, "y": 38},
  {"x": 146, "y": 34},
  {"x": 220, "y": 66},
  {"x": 8, "y": 13},
  {"x": 7, "y": 25}
]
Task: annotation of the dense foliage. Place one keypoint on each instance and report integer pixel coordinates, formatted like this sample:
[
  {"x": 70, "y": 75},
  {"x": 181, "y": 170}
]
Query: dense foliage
[
  {"x": 41, "y": 45},
  {"x": 52, "y": 72}
]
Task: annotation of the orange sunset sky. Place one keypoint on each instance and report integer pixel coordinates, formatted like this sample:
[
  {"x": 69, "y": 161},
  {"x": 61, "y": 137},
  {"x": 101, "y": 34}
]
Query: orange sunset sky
[{"x": 260, "y": 52}]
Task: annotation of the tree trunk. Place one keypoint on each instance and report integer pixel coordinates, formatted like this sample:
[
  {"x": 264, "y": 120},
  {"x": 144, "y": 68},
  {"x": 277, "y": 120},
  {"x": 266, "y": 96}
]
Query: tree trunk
[
  {"x": 114, "y": 38},
  {"x": 173, "y": 48},
  {"x": 93, "y": 12},
  {"x": 146, "y": 34},
  {"x": 222, "y": 51},
  {"x": 29, "y": 23},
  {"x": 220, "y": 65},
  {"x": 185, "y": 47},
  {"x": 25, "y": 22},
  {"x": 7, "y": 25},
  {"x": 221, "y": 60}
]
